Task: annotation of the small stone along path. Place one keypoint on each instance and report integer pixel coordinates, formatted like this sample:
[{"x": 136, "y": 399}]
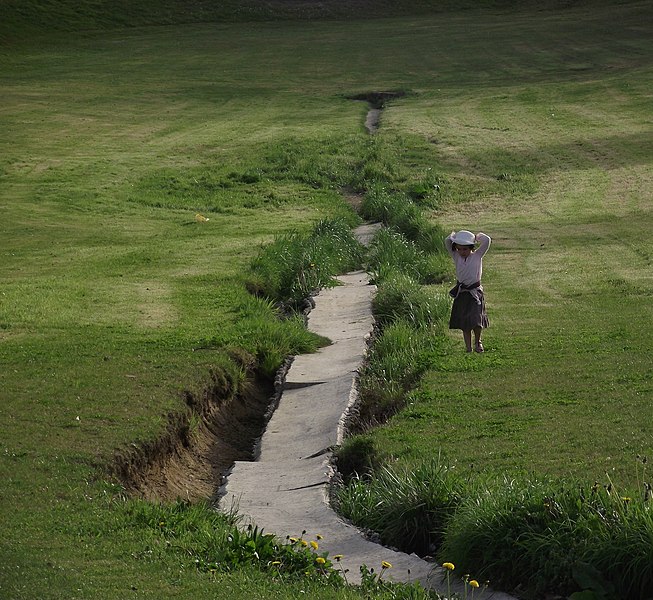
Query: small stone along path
[{"x": 285, "y": 491}]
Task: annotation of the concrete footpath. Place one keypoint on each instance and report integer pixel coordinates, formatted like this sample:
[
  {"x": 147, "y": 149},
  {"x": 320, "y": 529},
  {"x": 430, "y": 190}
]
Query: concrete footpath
[{"x": 285, "y": 491}]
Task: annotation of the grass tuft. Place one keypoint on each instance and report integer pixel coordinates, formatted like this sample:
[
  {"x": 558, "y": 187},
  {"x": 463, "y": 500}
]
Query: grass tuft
[
  {"x": 295, "y": 265},
  {"x": 398, "y": 211},
  {"x": 408, "y": 508},
  {"x": 398, "y": 357},
  {"x": 272, "y": 335},
  {"x": 391, "y": 251},
  {"x": 400, "y": 297},
  {"x": 551, "y": 535}
]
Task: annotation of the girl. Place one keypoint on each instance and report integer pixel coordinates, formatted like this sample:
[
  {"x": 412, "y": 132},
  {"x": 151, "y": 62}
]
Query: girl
[{"x": 468, "y": 310}]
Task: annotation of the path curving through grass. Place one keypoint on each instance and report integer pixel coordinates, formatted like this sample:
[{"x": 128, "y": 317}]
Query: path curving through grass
[{"x": 285, "y": 491}]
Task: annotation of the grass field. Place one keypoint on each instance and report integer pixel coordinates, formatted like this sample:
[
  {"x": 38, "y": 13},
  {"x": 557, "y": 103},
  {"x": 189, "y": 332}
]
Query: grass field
[
  {"x": 538, "y": 127},
  {"x": 557, "y": 168}
]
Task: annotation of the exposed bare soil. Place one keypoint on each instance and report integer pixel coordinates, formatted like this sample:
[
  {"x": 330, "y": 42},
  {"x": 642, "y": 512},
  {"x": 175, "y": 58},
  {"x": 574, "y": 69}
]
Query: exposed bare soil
[
  {"x": 201, "y": 443},
  {"x": 377, "y": 101}
]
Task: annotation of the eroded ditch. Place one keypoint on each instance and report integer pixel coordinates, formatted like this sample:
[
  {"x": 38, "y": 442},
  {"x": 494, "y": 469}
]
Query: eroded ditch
[
  {"x": 218, "y": 426},
  {"x": 377, "y": 101},
  {"x": 222, "y": 424}
]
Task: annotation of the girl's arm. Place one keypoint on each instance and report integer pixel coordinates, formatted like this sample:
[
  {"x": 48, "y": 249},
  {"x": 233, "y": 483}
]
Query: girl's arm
[
  {"x": 484, "y": 243},
  {"x": 448, "y": 244}
]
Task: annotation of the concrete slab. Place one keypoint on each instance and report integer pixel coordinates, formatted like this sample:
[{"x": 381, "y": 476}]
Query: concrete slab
[
  {"x": 366, "y": 232},
  {"x": 328, "y": 363},
  {"x": 306, "y": 420}
]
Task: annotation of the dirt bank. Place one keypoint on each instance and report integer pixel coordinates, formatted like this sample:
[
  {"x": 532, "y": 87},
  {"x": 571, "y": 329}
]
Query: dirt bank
[{"x": 200, "y": 444}]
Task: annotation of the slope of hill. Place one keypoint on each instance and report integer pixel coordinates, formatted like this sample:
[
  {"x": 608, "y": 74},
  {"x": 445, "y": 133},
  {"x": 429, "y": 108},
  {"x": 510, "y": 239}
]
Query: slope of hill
[{"x": 21, "y": 18}]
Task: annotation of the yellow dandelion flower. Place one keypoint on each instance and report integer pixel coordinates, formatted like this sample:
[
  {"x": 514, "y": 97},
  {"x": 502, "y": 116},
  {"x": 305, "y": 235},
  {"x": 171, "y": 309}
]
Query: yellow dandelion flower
[
  {"x": 473, "y": 583},
  {"x": 314, "y": 545},
  {"x": 319, "y": 537},
  {"x": 304, "y": 543},
  {"x": 386, "y": 565},
  {"x": 338, "y": 557},
  {"x": 449, "y": 566},
  {"x": 293, "y": 540},
  {"x": 320, "y": 561}
]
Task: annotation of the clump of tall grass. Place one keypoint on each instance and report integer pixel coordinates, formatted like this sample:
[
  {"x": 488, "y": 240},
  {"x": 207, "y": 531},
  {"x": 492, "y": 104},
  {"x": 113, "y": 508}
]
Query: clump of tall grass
[
  {"x": 542, "y": 536},
  {"x": 408, "y": 508},
  {"x": 396, "y": 361},
  {"x": 398, "y": 211},
  {"x": 198, "y": 537},
  {"x": 391, "y": 250},
  {"x": 552, "y": 536},
  {"x": 358, "y": 456},
  {"x": 395, "y": 354},
  {"x": 272, "y": 336},
  {"x": 295, "y": 265},
  {"x": 400, "y": 297},
  {"x": 409, "y": 322},
  {"x": 211, "y": 541}
]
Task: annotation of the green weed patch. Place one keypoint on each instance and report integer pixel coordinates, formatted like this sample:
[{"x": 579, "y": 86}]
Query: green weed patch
[
  {"x": 295, "y": 266},
  {"x": 565, "y": 537},
  {"x": 409, "y": 509},
  {"x": 392, "y": 252}
]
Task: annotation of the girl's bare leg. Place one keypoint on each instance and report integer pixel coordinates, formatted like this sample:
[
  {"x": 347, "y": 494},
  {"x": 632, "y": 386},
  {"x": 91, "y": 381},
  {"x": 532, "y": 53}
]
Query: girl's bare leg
[
  {"x": 477, "y": 336},
  {"x": 467, "y": 336}
]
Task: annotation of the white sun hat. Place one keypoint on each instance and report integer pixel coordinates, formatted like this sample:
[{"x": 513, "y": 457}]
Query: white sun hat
[{"x": 464, "y": 238}]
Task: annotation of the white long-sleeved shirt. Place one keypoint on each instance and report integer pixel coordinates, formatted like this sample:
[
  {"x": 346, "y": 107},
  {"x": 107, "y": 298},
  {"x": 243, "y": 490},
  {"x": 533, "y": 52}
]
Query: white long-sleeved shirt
[{"x": 469, "y": 270}]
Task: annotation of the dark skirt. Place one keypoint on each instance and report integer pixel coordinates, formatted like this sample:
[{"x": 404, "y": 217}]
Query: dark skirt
[{"x": 467, "y": 314}]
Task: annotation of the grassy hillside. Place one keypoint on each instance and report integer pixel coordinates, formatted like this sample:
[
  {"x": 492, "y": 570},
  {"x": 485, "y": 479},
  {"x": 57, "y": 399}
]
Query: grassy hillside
[
  {"x": 550, "y": 151},
  {"x": 23, "y": 18},
  {"x": 115, "y": 299}
]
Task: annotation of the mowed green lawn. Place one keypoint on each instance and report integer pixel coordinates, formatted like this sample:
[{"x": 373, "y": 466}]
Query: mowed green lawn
[
  {"x": 556, "y": 165},
  {"x": 537, "y": 123}
]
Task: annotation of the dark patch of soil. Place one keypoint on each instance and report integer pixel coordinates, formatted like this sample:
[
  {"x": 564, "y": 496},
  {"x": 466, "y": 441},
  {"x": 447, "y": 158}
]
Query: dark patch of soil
[
  {"x": 378, "y": 99},
  {"x": 200, "y": 444},
  {"x": 353, "y": 198}
]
